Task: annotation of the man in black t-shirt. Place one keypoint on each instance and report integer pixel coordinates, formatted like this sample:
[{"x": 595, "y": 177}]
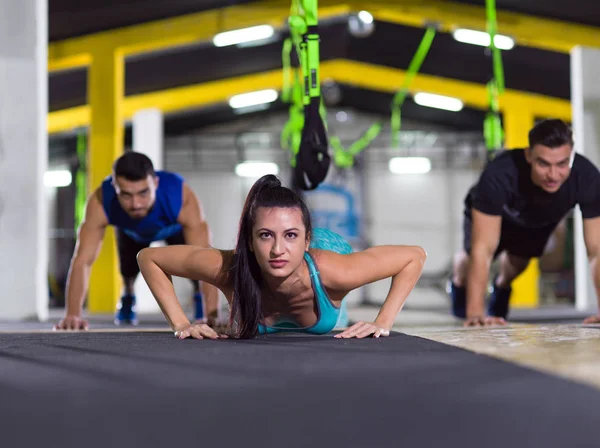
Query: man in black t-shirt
[{"x": 511, "y": 212}]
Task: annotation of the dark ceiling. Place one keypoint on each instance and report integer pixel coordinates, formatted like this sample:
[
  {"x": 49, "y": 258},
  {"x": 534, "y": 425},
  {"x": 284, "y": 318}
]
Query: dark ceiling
[
  {"x": 71, "y": 18},
  {"x": 526, "y": 69},
  {"x": 578, "y": 11}
]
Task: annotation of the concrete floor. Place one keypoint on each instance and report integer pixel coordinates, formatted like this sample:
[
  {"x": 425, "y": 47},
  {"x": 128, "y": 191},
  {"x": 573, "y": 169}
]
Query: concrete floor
[
  {"x": 554, "y": 341},
  {"x": 568, "y": 350}
]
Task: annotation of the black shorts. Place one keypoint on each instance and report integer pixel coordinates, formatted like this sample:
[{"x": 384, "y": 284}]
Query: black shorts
[
  {"x": 518, "y": 241},
  {"x": 128, "y": 249}
]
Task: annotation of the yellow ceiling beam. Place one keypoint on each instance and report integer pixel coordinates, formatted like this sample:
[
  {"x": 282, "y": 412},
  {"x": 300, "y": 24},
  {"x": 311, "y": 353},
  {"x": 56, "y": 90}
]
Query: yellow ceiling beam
[
  {"x": 172, "y": 100},
  {"x": 201, "y": 95},
  {"x": 386, "y": 79},
  {"x": 68, "y": 119},
  {"x": 178, "y": 31},
  {"x": 547, "y": 34},
  {"x": 367, "y": 76},
  {"x": 530, "y": 31}
]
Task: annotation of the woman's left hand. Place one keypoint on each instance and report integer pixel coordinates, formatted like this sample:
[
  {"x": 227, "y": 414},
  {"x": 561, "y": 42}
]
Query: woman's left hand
[{"x": 362, "y": 330}]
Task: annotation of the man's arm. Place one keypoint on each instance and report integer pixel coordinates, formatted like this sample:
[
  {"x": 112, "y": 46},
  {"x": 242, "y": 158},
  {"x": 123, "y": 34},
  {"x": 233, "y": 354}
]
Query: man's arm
[
  {"x": 191, "y": 218},
  {"x": 197, "y": 233},
  {"x": 485, "y": 239},
  {"x": 89, "y": 242},
  {"x": 591, "y": 233}
]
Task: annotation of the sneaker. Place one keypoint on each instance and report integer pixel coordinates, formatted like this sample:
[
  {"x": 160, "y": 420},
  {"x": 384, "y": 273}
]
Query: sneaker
[
  {"x": 458, "y": 297},
  {"x": 126, "y": 314},
  {"x": 499, "y": 300},
  {"x": 199, "y": 307}
]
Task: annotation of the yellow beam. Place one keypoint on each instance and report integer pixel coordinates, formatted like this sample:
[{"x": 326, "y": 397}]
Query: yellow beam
[
  {"x": 547, "y": 34},
  {"x": 199, "y": 95},
  {"x": 56, "y": 62},
  {"x": 178, "y": 31},
  {"x": 386, "y": 79},
  {"x": 106, "y": 91},
  {"x": 529, "y": 31},
  {"x": 68, "y": 119},
  {"x": 525, "y": 288},
  {"x": 360, "y": 74}
]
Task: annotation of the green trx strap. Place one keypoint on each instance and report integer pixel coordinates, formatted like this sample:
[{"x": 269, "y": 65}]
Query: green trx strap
[
  {"x": 345, "y": 157},
  {"x": 291, "y": 94},
  {"x": 492, "y": 24},
  {"x": 312, "y": 158},
  {"x": 413, "y": 68},
  {"x": 290, "y": 136},
  {"x": 80, "y": 179},
  {"x": 492, "y": 125}
]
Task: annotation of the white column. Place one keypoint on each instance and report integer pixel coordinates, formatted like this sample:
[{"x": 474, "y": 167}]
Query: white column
[
  {"x": 23, "y": 159},
  {"x": 585, "y": 101},
  {"x": 147, "y": 128}
]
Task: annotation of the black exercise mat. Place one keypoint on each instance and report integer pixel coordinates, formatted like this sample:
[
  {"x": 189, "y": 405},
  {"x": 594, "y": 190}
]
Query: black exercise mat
[{"x": 153, "y": 390}]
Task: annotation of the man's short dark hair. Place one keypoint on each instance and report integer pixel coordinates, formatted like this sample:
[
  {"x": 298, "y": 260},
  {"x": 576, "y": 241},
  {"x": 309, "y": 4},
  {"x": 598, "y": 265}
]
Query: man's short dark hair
[
  {"x": 551, "y": 133},
  {"x": 133, "y": 166}
]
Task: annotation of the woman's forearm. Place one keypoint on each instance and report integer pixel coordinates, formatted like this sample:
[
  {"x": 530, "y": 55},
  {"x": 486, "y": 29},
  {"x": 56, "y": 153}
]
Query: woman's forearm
[
  {"x": 402, "y": 285},
  {"x": 162, "y": 289}
]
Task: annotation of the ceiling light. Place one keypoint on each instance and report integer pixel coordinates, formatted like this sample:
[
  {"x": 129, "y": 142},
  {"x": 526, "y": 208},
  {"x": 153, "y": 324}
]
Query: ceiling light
[
  {"x": 256, "y": 169},
  {"x": 243, "y": 35},
  {"x": 251, "y": 109},
  {"x": 366, "y": 17},
  {"x": 361, "y": 24},
  {"x": 409, "y": 165},
  {"x": 58, "y": 178},
  {"x": 438, "y": 101},
  {"x": 482, "y": 38},
  {"x": 253, "y": 98}
]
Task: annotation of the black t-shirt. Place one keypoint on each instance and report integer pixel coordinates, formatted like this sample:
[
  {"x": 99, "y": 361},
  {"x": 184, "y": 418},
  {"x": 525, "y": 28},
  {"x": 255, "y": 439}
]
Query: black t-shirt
[{"x": 505, "y": 188}]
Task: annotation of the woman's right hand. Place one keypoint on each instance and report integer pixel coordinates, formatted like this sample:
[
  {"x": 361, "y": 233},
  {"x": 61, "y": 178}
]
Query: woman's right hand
[{"x": 198, "y": 331}]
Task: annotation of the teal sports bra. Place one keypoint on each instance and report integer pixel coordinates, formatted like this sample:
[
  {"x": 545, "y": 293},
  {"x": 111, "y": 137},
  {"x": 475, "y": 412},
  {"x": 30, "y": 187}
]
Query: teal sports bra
[{"x": 327, "y": 313}]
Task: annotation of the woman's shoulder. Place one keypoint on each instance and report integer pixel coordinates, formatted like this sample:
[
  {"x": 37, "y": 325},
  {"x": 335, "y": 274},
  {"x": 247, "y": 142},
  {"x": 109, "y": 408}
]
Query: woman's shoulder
[{"x": 328, "y": 264}]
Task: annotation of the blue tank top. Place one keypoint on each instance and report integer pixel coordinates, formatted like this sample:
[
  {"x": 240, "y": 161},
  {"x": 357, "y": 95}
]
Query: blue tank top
[
  {"x": 327, "y": 313},
  {"x": 161, "y": 221}
]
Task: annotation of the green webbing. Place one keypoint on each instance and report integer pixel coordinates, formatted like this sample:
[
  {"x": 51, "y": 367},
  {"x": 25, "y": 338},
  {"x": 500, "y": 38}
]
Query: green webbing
[
  {"x": 286, "y": 90},
  {"x": 303, "y": 13},
  {"x": 492, "y": 125},
  {"x": 345, "y": 157},
  {"x": 303, "y": 17},
  {"x": 292, "y": 95},
  {"x": 492, "y": 25},
  {"x": 413, "y": 68},
  {"x": 303, "y": 23},
  {"x": 80, "y": 179}
]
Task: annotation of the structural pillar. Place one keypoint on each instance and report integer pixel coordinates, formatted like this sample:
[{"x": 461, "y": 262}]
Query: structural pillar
[
  {"x": 585, "y": 100},
  {"x": 148, "y": 139},
  {"x": 105, "y": 97},
  {"x": 525, "y": 288},
  {"x": 23, "y": 159}
]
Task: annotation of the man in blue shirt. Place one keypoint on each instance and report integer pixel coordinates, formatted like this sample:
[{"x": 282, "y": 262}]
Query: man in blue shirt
[{"x": 144, "y": 206}]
